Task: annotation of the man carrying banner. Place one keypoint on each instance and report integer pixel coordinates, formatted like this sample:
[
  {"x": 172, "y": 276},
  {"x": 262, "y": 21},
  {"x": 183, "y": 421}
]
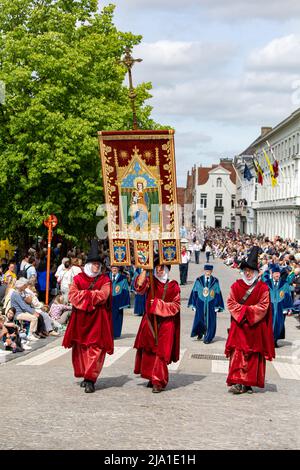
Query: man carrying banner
[
  {"x": 206, "y": 299},
  {"x": 158, "y": 338},
  {"x": 250, "y": 341},
  {"x": 90, "y": 332}
]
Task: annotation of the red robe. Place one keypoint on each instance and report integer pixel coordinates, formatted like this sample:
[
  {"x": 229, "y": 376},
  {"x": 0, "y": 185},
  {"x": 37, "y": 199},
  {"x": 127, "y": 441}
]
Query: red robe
[
  {"x": 89, "y": 331},
  {"x": 250, "y": 341},
  {"x": 152, "y": 359}
]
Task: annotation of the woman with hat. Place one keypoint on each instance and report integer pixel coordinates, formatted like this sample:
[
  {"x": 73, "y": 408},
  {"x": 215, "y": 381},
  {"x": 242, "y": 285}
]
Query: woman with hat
[
  {"x": 206, "y": 299},
  {"x": 89, "y": 332},
  {"x": 158, "y": 341},
  {"x": 250, "y": 341}
]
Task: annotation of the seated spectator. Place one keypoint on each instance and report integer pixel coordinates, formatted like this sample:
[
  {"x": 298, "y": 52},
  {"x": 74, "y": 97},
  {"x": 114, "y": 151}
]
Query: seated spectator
[
  {"x": 10, "y": 337},
  {"x": 40, "y": 308},
  {"x": 17, "y": 333},
  {"x": 59, "y": 311},
  {"x": 10, "y": 288},
  {"x": 23, "y": 310},
  {"x": 11, "y": 272}
]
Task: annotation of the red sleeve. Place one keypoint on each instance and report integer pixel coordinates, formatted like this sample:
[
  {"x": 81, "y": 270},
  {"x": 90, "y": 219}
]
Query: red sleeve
[
  {"x": 257, "y": 312},
  {"x": 141, "y": 290},
  {"x": 237, "y": 311},
  {"x": 166, "y": 309},
  {"x": 101, "y": 296},
  {"x": 81, "y": 299}
]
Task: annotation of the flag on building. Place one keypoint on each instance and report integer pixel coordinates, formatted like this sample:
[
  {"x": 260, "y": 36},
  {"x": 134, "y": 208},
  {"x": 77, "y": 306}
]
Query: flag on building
[
  {"x": 258, "y": 170},
  {"x": 247, "y": 173},
  {"x": 276, "y": 168},
  {"x": 272, "y": 173}
]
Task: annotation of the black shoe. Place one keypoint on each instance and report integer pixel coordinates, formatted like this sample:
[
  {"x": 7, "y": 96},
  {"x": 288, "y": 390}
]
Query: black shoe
[
  {"x": 149, "y": 384},
  {"x": 199, "y": 337},
  {"x": 236, "y": 389},
  {"x": 89, "y": 387},
  {"x": 83, "y": 383},
  {"x": 247, "y": 389},
  {"x": 276, "y": 344}
]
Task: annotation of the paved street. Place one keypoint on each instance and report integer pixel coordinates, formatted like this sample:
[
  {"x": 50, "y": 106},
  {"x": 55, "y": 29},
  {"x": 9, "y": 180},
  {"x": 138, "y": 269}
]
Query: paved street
[{"x": 49, "y": 410}]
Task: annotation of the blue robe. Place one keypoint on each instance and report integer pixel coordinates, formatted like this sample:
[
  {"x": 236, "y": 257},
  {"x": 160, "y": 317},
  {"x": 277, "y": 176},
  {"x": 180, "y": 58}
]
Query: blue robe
[
  {"x": 139, "y": 300},
  {"x": 281, "y": 299},
  {"x": 206, "y": 301},
  {"x": 120, "y": 300}
]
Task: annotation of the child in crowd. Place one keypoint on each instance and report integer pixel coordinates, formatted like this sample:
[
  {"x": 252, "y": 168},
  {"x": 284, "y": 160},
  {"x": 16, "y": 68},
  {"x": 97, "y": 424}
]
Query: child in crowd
[{"x": 59, "y": 311}]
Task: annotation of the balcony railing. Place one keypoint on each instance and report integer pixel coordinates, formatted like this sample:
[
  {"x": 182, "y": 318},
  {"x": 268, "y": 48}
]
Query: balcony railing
[{"x": 219, "y": 209}]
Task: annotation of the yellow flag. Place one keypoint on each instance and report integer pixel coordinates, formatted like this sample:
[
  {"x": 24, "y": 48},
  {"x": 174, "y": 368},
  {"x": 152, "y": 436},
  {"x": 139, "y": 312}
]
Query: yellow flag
[{"x": 272, "y": 174}]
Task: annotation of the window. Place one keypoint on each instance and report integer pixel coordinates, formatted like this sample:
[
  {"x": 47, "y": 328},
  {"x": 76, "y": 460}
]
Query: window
[
  {"x": 218, "y": 222},
  {"x": 204, "y": 221},
  {"x": 219, "y": 182},
  {"x": 219, "y": 200},
  {"x": 203, "y": 201},
  {"x": 232, "y": 201}
]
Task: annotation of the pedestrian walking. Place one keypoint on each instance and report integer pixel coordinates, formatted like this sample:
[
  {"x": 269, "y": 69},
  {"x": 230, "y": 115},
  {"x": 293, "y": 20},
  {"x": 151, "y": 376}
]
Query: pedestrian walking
[
  {"x": 120, "y": 299},
  {"x": 197, "y": 250},
  {"x": 206, "y": 299},
  {"x": 184, "y": 265},
  {"x": 208, "y": 252},
  {"x": 158, "y": 341},
  {"x": 89, "y": 332},
  {"x": 281, "y": 301},
  {"x": 250, "y": 341}
]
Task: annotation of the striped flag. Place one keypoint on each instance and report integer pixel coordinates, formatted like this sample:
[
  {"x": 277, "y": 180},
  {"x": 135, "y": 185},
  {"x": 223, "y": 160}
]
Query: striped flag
[
  {"x": 272, "y": 173},
  {"x": 258, "y": 170}
]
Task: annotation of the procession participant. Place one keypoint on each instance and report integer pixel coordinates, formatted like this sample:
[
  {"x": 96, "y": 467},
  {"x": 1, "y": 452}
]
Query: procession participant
[
  {"x": 155, "y": 350},
  {"x": 89, "y": 332},
  {"x": 139, "y": 300},
  {"x": 206, "y": 299},
  {"x": 250, "y": 341},
  {"x": 184, "y": 265},
  {"x": 120, "y": 299},
  {"x": 197, "y": 249},
  {"x": 281, "y": 299}
]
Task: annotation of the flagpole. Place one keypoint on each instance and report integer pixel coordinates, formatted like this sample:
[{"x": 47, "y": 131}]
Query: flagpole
[
  {"x": 273, "y": 155},
  {"x": 237, "y": 175}
]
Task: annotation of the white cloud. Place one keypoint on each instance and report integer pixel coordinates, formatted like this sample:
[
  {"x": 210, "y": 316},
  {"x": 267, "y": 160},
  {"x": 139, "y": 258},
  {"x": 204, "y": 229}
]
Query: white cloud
[
  {"x": 282, "y": 54},
  {"x": 166, "y": 62},
  {"x": 228, "y": 9}
]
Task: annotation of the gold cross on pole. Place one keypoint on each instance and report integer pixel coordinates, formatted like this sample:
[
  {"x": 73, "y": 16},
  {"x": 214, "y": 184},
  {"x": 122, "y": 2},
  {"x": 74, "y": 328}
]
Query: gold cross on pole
[{"x": 129, "y": 61}]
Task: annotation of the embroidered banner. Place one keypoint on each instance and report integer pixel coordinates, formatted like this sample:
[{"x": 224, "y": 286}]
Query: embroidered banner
[
  {"x": 139, "y": 178},
  {"x": 143, "y": 254}
]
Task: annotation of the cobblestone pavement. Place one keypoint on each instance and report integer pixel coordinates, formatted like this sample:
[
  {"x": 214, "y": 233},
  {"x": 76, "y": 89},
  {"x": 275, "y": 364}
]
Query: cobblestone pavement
[{"x": 49, "y": 410}]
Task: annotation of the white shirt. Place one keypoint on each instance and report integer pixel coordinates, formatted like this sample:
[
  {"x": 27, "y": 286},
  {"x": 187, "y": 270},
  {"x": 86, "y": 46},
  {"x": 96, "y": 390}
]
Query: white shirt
[{"x": 185, "y": 258}]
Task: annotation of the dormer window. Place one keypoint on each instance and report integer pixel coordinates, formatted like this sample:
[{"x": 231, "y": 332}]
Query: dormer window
[{"x": 219, "y": 182}]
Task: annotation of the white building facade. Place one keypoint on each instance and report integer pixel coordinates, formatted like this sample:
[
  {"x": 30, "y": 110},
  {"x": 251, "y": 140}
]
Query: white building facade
[
  {"x": 214, "y": 196},
  {"x": 276, "y": 209}
]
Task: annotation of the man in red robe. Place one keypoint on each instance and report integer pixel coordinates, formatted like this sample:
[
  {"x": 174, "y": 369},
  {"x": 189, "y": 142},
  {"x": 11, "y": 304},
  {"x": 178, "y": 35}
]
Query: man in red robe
[
  {"x": 90, "y": 332},
  {"x": 158, "y": 338},
  {"x": 250, "y": 341}
]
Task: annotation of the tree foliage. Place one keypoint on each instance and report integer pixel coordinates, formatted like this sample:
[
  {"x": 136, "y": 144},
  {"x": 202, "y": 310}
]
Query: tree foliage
[{"x": 59, "y": 63}]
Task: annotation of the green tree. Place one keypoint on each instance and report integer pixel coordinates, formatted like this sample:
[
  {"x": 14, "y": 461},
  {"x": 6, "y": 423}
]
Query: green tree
[{"x": 59, "y": 63}]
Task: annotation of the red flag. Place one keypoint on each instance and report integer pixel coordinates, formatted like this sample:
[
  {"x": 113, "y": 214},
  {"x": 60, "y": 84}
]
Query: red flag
[{"x": 276, "y": 169}]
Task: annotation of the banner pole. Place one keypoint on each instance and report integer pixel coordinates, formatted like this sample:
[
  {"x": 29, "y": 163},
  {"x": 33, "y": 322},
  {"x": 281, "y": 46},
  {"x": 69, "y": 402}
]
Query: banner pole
[
  {"x": 152, "y": 297},
  {"x": 48, "y": 263}
]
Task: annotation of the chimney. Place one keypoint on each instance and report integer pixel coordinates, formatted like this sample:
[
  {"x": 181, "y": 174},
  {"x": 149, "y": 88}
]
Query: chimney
[{"x": 265, "y": 130}]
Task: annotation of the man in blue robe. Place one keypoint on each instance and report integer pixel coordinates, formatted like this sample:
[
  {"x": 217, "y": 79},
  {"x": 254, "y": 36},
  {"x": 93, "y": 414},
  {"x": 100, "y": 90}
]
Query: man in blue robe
[
  {"x": 120, "y": 299},
  {"x": 206, "y": 299},
  {"x": 139, "y": 300},
  {"x": 281, "y": 300}
]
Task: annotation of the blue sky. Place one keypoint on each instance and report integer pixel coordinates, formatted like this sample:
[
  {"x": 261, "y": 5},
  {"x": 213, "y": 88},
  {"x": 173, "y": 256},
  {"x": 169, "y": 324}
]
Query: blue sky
[{"x": 220, "y": 69}]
